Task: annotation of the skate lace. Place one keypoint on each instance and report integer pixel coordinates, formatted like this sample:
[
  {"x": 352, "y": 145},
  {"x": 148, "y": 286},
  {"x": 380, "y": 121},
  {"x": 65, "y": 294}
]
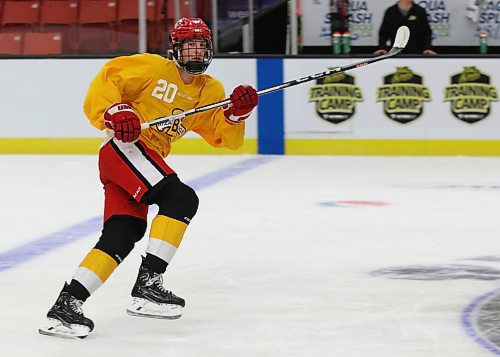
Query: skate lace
[
  {"x": 76, "y": 306},
  {"x": 158, "y": 281}
]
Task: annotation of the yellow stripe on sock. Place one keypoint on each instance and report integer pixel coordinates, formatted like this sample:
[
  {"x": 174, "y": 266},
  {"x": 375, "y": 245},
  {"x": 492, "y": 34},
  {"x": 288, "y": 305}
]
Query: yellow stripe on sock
[
  {"x": 168, "y": 230},
  {"x": 100, "y": 263}
]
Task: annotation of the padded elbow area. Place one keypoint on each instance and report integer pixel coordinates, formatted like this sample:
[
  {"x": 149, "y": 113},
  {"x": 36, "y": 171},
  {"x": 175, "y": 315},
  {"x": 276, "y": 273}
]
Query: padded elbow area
[
  {"x": 119, "y": 235},
  {"x": 177, "y": 200}
]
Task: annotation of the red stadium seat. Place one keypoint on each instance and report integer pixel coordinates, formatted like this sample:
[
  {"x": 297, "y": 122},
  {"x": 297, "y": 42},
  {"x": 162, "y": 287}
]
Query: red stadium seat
[
  {"x": 129, "y": 10},
  {"x": 97, "y": 20},
  {"x": 11, "y": 43},
  {"x": 63, "y": 12},
  {"x": 185, "y": 9},
  {"x": 128, "y": 24},
  {"x": 163, "y": 28},
  {"x": 61, "y": 16},
  {"x": 38, "y": 43},
  {"x": 166, "y": 21},
  {"x": 19, "y": 16}
]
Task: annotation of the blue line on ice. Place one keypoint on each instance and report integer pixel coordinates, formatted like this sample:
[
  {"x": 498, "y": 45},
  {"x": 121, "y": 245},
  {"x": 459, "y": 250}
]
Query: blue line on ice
[{"x": 30, "y": 250}]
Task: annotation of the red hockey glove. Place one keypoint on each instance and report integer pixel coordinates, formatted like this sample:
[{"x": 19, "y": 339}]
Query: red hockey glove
[
  {"x": 121, "y": 118},
  {"x": 243, "y": 99}
]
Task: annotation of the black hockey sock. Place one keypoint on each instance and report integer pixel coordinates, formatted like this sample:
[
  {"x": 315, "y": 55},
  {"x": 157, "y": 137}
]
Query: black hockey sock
[
  {"x": 76, "y": 289},
  {"x": 152, "y": 262}
]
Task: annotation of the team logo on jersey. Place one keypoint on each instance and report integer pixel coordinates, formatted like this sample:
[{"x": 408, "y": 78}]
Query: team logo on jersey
[
  {"x": 173, "y": 127},
  {"x": 335, "y": 97},
  {"x": 470, "y": 94},
  {"x": 403, "y": 94}
]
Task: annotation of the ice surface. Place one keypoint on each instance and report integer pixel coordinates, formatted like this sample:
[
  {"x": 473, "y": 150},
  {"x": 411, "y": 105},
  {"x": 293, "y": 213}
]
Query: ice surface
[{"x": 279, "y": 261}]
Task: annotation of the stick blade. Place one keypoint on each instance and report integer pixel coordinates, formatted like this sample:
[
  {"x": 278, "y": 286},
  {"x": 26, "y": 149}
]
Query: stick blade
[{"x": 402, "y": 37}]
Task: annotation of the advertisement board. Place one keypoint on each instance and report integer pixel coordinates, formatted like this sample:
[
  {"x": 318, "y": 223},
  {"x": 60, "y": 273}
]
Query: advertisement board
[
  {"x": 450, "y": 20},
  {"x": 395, "y": 99}
]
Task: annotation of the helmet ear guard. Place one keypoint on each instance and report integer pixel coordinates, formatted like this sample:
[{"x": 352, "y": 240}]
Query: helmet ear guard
[{"x": 186, "y": 30}]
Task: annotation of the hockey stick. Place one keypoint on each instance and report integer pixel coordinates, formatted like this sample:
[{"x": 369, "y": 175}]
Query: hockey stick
[{"x": 402, "y": 37}]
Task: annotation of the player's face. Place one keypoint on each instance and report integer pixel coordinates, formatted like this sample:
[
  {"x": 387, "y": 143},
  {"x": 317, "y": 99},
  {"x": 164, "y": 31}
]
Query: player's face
[{"x": 193, "y": 51}]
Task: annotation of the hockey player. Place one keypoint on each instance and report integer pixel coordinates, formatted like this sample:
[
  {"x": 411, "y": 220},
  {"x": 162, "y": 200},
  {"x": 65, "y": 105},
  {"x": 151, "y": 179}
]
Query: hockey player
[{"x": 128, "y": 91}]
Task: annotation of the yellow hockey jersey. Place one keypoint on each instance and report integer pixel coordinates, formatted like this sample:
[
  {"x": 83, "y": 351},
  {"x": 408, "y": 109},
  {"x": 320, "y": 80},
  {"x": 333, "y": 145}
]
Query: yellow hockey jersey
[{"x": 151, "y": 84}]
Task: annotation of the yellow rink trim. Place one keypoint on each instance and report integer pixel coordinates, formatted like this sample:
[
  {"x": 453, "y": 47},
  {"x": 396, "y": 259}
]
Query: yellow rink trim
[
  {"x": 100, "y": 263},
  {"x": 91, "y": 146},
  {"x": 199, "y": 146},
  {"x": 49, "y": 145},
  {"x": 392, "y": 147},
  {"x": 292, "y": 147},
  {"x": 168, "y": 230}
]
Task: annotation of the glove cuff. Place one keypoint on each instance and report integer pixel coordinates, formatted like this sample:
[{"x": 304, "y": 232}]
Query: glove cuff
[
  {"x": 118, "y": 107},
  {"x": 232, "y": 118}
]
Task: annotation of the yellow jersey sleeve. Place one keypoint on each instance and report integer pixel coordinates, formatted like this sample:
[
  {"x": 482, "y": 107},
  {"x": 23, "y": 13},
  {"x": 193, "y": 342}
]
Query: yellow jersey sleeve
[
  {"x": 121, "y": 79},
  {"x": 212, "y": 125}
]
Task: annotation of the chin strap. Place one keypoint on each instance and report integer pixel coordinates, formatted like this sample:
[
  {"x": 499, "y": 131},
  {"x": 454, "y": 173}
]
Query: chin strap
[{"x": 186, "y": 67}]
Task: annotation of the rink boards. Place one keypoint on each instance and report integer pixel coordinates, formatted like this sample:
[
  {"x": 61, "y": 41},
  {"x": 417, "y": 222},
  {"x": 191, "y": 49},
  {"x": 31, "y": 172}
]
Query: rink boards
[{"x": 402, "y": 106}]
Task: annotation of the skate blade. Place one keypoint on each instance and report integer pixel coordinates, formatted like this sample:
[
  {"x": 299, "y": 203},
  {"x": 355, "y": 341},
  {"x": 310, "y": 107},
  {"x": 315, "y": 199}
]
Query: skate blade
[
  {"x": 57, "y": 329},
  {"x": 144, "y": 308}
]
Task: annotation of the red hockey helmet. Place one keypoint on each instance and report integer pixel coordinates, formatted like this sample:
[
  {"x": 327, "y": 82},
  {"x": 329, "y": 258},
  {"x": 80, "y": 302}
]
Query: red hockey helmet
[{"x": 191, "y": 29}]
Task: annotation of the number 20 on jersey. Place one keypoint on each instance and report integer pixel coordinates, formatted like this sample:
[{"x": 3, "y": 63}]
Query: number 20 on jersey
[{"x": 165, "y": 91}]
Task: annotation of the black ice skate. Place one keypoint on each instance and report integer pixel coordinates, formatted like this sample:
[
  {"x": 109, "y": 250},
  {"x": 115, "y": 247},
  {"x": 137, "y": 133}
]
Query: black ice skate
[
  {"x": 65, "y": 318},
  {"x": 151, "y": 299}
]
